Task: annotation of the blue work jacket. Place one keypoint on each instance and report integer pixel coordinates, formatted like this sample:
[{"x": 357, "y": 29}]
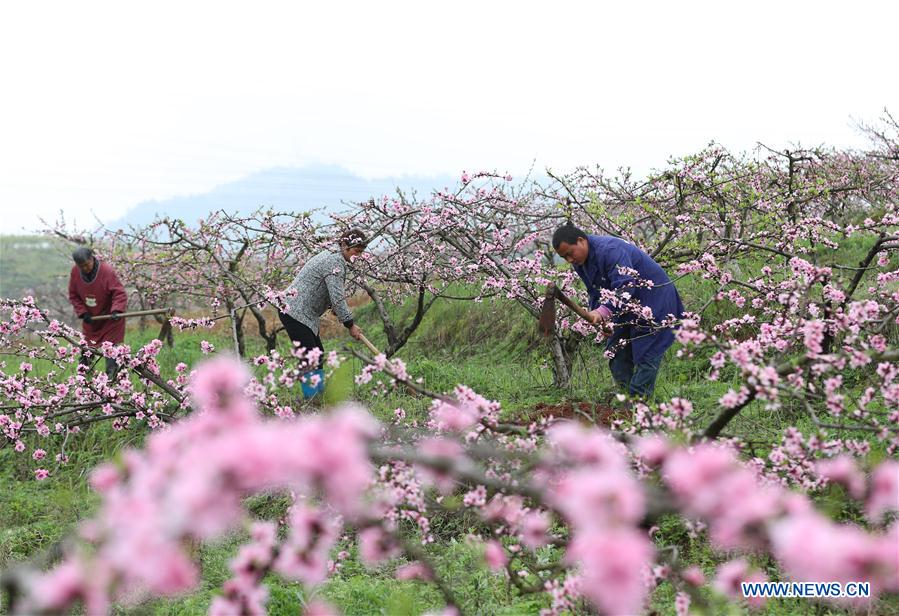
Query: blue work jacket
[{"x": 600, "y": 271}]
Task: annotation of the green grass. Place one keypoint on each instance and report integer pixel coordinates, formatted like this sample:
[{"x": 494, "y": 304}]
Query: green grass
[{"x": 35, "y": 515}]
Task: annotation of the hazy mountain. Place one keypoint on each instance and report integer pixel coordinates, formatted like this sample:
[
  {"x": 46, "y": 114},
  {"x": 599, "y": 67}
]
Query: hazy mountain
[{"x": 290, "y": 189}]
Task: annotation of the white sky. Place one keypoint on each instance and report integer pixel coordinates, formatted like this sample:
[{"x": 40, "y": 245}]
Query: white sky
[{"x": 106, "y": 104}]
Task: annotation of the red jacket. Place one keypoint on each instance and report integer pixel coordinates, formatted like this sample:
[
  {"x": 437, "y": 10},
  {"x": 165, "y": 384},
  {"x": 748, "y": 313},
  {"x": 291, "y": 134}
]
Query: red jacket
[{"x": 102, "y": 295}]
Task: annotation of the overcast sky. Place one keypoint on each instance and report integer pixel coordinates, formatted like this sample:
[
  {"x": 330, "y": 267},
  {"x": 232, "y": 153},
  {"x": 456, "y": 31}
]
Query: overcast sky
[{"x": 107, "y": 104}]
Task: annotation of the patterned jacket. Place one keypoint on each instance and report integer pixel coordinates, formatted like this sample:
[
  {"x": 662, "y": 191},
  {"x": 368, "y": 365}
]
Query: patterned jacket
[{"x": 319, "y": 286}]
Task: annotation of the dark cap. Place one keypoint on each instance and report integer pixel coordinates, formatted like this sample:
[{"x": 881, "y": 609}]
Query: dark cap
[
  {"x": 82, "y": 254},
  {"x": 354, "y": 238}
]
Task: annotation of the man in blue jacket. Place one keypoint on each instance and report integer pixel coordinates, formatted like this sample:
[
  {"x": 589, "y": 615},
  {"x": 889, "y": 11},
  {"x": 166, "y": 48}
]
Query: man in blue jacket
[{"x": 640, "y": 285}]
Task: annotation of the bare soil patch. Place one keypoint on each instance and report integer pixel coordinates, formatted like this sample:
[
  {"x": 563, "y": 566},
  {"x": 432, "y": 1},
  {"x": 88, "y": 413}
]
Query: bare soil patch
[{"x": 583, "y": 411}]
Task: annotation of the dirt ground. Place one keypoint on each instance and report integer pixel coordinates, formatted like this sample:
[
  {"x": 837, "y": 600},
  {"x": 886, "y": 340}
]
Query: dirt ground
[{"x": 583, "y": 411}]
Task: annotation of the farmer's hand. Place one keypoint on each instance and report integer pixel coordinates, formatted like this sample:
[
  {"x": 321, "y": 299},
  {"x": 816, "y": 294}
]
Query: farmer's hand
[
  {"x": 86, "y": 317},
  {"x": 600, "y": 315},
  {"x": 596, "y": 316},
  {"x": 355, "y": 332},
  {"x": 115, "y": 315}
]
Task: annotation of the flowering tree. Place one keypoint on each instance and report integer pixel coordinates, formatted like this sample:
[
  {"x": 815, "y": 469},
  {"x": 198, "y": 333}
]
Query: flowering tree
[
  {"x": 54, "y": 406},
  {"x": 488, "y": 234},
  {"x": 235, "y": 263},
  {"x": 410, "y": 258},
  {"x": 226, "y": 263}
]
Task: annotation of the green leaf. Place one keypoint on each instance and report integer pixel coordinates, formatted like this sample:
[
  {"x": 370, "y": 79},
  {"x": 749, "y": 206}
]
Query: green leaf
[{"x": 339, "y": 384}]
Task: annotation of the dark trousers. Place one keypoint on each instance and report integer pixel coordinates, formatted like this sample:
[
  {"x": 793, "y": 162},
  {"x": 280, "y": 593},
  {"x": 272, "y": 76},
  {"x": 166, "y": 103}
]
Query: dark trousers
[
  {"x": 112, "y": 367},
  {"x": 297, "y": 332},
  {"x": 635, "y": 379}
]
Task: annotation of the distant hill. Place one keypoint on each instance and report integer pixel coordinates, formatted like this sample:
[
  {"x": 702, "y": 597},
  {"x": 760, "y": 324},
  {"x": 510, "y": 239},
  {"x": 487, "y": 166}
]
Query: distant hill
[{"x": 287, "y": 189}]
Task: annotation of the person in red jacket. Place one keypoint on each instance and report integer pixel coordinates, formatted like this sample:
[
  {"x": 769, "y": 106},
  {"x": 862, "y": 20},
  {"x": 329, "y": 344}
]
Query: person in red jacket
[{"x": 94, "y": 289}]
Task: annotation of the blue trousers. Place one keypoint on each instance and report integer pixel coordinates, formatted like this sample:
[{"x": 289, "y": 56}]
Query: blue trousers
[{"x": 635, "y": 379}]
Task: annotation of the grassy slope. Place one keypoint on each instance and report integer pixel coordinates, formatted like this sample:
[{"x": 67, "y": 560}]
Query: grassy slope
[
  {"x": 28, "y": 261},
  {"x": 491, "y": 347}
]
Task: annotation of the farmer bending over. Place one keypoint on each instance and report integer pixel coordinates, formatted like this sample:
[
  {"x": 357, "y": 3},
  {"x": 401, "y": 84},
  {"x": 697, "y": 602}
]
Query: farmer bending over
[
  {"x": 319, "y": 286},
  {"x": 94, "y": 290},
  {"x": 638, "y": 343}
]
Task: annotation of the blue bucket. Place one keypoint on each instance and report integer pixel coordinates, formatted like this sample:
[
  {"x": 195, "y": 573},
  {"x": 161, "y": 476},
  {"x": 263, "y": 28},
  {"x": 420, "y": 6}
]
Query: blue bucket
[{"x": 309, "y": 390}]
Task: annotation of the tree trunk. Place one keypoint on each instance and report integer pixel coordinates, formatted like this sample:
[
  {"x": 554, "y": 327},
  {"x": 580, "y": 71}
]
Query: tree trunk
[
  {"x": 241, "y": 343},
  {"x": 397, "y": 339},
  {"x": 237, "y": 328},
  {"x": 142, "y": 322},
  {"x": 271, "y": 338},
  {"x": 561, "y": 363}
]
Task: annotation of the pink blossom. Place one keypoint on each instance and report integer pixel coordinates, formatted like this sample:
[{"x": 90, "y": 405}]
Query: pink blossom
[
  {"x": 453, "y": 418},
  {"x": 320, "y": 608},
  {"x": 376, "y": 546},
  {"x": 730, "y": 577},
  {"x": 39, "y": 454},
  {"x": 878, "y": 343},
  {"x": 476, "y": 497},
  {"x": 598, "y": 497},
  {"x": 884, "y": 492},
  {"x": 41, "y": 474},
  {"x": 690, "y": 473},
  {"x": 612, "y": 564},
  {"x": 682, "y": 604},
  {"x": 60, "y": 587},
  {"x": 534, "y": 527},
  {"x": 312, "y": 356},
  {"x": 397, "y": 368},
  {"x": 284, "y": 412},
  {"x": 104, "y": 477},
  {"x": 188, "y": 483},
  {"x": 495, "y": 555},
  {"x": 732, "y": 399},
  {"x": 652, "y": 450},
  {"x": 333, "y": 359},
  {"x": 586, "y": 446},
  {"x": 681, "y": 407},
  {"x": 413, "y": 571},
  {"x": 693, "y": 575},
  {"x": 304, "y": 554},
  {"x": 440, "y": 448},
  {"x": 842, "y": 470},
  {"x": 509, "y": 509},
  {"x": 710, "y": 483},
  {"x": 813, "y": 332},
  {"x": 812, "y": 548},
  {"x": 220, "y": 387}
]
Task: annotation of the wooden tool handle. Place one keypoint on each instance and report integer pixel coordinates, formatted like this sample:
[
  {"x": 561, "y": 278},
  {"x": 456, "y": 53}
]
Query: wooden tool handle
[
  {"x": 370, "y": 346},
  {"x": 136, "y": 313},
  {"x": 577, "y": 308}
]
